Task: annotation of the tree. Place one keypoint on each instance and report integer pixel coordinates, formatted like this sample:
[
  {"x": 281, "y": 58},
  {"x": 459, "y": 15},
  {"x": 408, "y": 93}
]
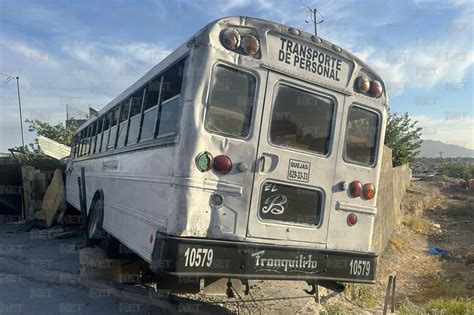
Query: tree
[
  {"x": 58, "y": 132},
  {"x": 403, "y": 137}
]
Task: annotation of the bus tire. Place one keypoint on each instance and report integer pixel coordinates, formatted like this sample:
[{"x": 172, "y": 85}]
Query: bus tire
[{"x": 94, "y": 222}]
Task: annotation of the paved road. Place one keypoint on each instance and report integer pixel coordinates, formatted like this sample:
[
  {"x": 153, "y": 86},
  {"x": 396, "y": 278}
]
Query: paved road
[{"x": 40, "y": 275}]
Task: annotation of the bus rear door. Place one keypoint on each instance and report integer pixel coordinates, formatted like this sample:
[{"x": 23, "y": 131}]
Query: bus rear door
[{"x": 296, "y": 161}]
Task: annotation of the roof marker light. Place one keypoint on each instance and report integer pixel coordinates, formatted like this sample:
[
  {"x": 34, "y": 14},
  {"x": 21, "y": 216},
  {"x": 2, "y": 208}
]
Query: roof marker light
[
  {"x": 316, "y": 39},
  {"x": 294, "y": 31}
]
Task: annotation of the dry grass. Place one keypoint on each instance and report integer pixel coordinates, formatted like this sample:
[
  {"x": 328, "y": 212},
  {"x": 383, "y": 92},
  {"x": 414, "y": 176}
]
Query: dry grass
[
  {"x": 418, "y": 225},
  {"x": 397, "y": 242}
]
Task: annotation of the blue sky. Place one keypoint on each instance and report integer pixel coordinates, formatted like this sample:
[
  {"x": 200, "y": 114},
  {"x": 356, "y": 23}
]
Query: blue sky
[{"x": 84, "y": 53}]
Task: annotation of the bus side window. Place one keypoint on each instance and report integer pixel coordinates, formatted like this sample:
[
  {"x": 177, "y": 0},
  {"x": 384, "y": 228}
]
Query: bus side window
[
  {"x": 123, "y": 123},
  {"x": 361, "y": 136},
  {"x": 150, "y": 109},
  {"x": 88, "y": 139},
  {"x": 113, "y": 128},
  {"x": 93, "y": 137},
  {"x": 135, "y": 117},
  {"x": 171, "y": 89},
  {"x": 81, "y": 142},
  {"x": 231, "y": 102},
  {"x": 99, "y": 135},
  {"x": 105, "y": 133},
  {"x": 173, "y": 79},
  {"x": 74, "y": 147}
]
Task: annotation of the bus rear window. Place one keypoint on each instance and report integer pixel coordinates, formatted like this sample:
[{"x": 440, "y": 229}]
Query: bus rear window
[
  {"x": 361, "y": 136},
  {"x": 231, "y": 102},
  {"x": 302, "y": 120}
]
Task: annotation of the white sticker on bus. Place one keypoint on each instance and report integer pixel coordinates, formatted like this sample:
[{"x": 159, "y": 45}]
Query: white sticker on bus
[{"x": 299, "y": 171}]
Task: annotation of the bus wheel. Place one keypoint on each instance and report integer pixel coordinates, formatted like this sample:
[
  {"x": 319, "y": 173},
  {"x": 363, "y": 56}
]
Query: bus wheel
[{"x": 94, "y": 222}]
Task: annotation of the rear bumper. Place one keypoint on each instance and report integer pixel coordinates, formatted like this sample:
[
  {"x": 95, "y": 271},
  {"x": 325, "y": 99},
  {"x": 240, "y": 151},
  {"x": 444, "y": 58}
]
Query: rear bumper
[{"x": 193, "y": 257}]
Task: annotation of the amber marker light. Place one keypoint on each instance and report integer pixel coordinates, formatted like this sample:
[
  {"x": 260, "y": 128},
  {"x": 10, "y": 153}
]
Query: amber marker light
[
  {"x": 362, "y": 84},
  {"x": 368, "y": 191},
  {"x": 250, "y": 44}
]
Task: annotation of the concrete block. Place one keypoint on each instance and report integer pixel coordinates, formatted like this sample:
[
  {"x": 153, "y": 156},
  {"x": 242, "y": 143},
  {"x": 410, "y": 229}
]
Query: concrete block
[{"x": 94, "y": 265}]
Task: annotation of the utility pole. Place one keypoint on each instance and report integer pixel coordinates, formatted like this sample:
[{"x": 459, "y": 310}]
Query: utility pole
[
  {"x": 315, "y": 23},
  {"x": 314, "y": 13},
  {"x": 21, "y": 117},
  {"x": 9, "y": 78}
]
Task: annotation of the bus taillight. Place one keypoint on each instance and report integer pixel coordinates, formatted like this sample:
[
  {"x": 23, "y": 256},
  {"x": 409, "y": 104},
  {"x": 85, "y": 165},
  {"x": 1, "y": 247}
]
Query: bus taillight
[
  {"x": 369, "y": 87},
  {"x": 230, "y": 38},
  {"x": 351, "y": 219},
  {"x": 368, "y": 191},
  {"x": 376, "y": 88},
  {"x": 243, "y": 44},
  {"x": 355, "y": 188},
  {"x": 222, "y": 164}
]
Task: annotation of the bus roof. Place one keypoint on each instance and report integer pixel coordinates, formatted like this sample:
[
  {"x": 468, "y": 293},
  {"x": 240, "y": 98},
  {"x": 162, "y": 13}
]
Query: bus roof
[
  {"x": 282, "y": 28},
  {"x": 242, "y": 21}
]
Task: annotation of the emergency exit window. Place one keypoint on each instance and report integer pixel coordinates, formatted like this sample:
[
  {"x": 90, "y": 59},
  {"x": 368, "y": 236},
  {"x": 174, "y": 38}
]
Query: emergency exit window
[
  {"x": 302, "y": 120},
  {"x": 361, "y": 136}
]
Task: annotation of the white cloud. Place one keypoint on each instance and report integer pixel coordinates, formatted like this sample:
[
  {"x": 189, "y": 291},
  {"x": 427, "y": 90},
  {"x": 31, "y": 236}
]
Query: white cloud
[
  {"x": 455, "y": 128},
  {"x": 225, "y": 7},
  {"x": 145, "y": 52},
  {"x": 77, "y": 73},
  {"x": 29, "y": 52}
]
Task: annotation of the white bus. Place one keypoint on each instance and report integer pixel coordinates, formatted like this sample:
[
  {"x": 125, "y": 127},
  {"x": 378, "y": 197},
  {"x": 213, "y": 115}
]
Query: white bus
[{"x": 252, "y": 151}]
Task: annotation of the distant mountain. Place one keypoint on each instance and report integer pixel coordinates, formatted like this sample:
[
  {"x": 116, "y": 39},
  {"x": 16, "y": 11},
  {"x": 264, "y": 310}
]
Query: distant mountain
[{"x": 431, "y": 149}]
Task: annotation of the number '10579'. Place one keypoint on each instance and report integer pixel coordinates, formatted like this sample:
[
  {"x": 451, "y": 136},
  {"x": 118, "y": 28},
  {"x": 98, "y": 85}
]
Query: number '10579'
[
  {"x": 198, "y": 257},
  {"x": 359, "y": 267}
]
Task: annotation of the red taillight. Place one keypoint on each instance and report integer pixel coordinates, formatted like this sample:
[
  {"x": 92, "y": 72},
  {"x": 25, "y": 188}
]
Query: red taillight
[
  {"x": 351, "y": 219},
  {"x": 376, "y": 88},
  {"x": 368, "y": 191},
  {"x": 355, "y": 188},
  {"x": 222, "y": 164}
]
